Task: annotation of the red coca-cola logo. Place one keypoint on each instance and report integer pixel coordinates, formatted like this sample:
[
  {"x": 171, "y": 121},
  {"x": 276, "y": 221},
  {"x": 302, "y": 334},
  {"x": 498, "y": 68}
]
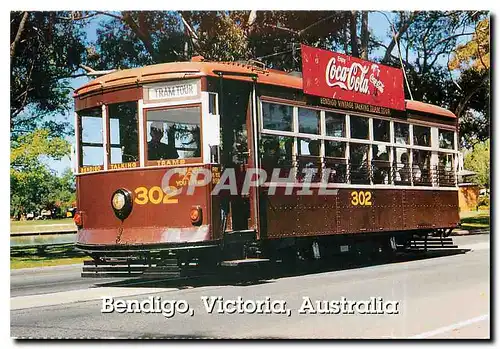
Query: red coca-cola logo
[{"x": 334, "y": 75}]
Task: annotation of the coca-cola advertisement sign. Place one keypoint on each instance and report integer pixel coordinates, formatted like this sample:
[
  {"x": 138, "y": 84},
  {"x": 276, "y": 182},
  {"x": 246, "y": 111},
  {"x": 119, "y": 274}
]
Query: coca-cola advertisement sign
[{"x": 341, "y": 77}]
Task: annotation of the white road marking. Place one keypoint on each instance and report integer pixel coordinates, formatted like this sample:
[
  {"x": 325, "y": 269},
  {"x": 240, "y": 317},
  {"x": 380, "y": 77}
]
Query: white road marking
[
  {"x": 450, "y": 327},
  {"x": 83, "y": 295}
]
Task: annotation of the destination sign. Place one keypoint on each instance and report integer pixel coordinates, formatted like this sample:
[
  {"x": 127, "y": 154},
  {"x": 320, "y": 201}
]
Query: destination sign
[{"x": 173, "y": 90}]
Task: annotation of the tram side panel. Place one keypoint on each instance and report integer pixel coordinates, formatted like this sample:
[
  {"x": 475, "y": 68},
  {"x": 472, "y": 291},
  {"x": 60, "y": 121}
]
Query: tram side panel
[
  {"x": 156, "y": 218},
  {"x": 353, "y": 211}
]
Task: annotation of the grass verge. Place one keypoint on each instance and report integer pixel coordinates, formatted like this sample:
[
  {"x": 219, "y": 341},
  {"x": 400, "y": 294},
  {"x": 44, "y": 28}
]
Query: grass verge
[
  {"x": 36, "y": 262},
  {"x": 42, "y": 225},
  {"x": 475, "y": 219}
]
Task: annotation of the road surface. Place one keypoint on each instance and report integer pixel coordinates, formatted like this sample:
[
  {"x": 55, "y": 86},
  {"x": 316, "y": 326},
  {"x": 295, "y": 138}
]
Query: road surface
[{"x": 442, "y": 297}]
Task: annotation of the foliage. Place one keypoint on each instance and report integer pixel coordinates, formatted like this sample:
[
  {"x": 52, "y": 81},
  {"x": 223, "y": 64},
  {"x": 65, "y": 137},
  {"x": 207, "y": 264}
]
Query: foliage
[
  {"x": 134, "y": 38},
  {"x": 33, "y": 185},
  {"x": 475, "y": 54},
  {"x": 45, "y": 51},
  {"x": 483, "y": 201},
  {"x": 428, "y": 39},
  {"x": 478, "y": 160}
]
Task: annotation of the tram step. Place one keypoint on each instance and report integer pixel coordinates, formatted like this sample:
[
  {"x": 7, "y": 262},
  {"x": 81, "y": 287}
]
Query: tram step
[
  {"x": 120, "y": 262},
  {"x": 110, "y": 274},
  {"x": 248, "y": 261}
]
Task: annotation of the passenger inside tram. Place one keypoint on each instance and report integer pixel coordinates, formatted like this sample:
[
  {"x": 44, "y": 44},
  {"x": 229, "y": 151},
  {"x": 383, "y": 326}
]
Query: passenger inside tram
[{"x": 158, "y": 150}]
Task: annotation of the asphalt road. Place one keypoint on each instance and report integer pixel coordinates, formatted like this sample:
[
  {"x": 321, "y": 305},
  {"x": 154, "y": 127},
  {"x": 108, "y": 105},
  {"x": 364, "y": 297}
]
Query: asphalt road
[{"x": 442, "y": 297}]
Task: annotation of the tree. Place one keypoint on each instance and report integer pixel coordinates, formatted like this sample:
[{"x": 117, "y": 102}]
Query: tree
[
  {"x": 478, "y": 160},
  {"x": 428, "y": 40},
  {"x": 33, "y": 185},
  {"x": 45, "y": 51},
  {"x": 133, "y": 38}
]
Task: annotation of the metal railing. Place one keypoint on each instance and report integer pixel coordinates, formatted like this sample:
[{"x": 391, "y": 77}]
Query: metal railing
[{"x": 377, "y": 172}]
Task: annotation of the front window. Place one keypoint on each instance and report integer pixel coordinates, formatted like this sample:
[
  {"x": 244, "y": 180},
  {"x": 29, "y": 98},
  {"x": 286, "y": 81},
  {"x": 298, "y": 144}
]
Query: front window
[
  {"x": 173, "y": 133},
  {"x": 124, "y": 136},
  {"x": 91, "y": 137}
]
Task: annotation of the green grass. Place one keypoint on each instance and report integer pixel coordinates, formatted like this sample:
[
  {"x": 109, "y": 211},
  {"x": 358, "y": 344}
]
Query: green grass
[
  {"x": 34, "y": 262},
  {"x": 475, "y": 219},
  {"x": 45, "y": 225}
]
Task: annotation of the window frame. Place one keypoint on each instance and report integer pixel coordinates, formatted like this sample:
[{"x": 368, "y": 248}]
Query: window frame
[
  {"x": 122, "y": 165},
  {"x": 80, "y": 144},
  {"x": 347, "y": 139},
  {"x": 171, "y": 162}
]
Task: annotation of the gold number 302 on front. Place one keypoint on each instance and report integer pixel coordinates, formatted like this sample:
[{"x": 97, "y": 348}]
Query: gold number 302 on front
[{"x": 361, "y": 198}]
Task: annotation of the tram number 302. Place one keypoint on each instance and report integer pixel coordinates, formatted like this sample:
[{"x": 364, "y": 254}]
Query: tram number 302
[{"x": 361, "y": 198}]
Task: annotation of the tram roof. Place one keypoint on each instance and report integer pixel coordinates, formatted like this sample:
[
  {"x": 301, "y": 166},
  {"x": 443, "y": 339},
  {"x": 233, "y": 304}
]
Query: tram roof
[{"x": 232, "y": 70}]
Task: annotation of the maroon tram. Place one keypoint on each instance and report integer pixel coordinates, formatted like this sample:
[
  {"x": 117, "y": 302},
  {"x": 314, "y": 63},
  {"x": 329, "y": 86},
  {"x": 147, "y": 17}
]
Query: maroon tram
[{"x": 337, "y": 173}]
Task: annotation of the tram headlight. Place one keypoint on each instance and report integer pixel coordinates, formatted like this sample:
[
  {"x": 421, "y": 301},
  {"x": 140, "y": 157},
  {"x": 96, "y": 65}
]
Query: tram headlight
[
  {"x": 121, "y": 202},
  {"x": 118, "y": 200}
]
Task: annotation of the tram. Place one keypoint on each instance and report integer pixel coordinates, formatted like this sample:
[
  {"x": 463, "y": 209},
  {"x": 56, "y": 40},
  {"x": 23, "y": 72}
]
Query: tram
[{"x": 194, "y": 164}]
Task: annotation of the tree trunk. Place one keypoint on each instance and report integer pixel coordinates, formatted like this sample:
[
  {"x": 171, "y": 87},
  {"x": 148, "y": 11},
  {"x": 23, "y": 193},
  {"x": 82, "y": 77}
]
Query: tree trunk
[
  {"x": 364, "y": 35},
  {"x": 18, "y": 34},
  {"x": 354, "y": 35}
]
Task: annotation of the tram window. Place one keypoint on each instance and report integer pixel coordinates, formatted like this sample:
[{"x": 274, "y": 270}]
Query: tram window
[
  {"x": 335, "y": 124},
  {"x": 402, "y": 171},
  {"x": 401, "y": 133},
  {"x": 335, "y": 149},
  {"x": 124, "y": 136},
  {"x": 308, "y": 121},
  {"x": 446, "y": 170},
  {"x": 422, "y": 136},
  {"x": 381, "y": 164},
  {"x": 359, "y": 127},
  {"x": 335, "y": 161},
  {"x": 421, "y": 168},
  {"x": 381, "y": 152},
  {"x": 308, "y": 158},
  {"x": 446, "y": 161},
  {"x": 446, "y": 139},
  {"x": 91, "y": 137},
  {"x": 173, "y": 133},
  {"x": 359, "y": 170},
  {"x": 212, "y": 104},
  {"x": 381, "y": 130},
  {"x": 309, "y": 147},
  {"x": 277, "y": 116},
  {"x": 276, "y": 152}
]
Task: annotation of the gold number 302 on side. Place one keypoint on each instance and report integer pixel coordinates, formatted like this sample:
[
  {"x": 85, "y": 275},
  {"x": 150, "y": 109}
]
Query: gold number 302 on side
[{"x": 361, "y": 198}]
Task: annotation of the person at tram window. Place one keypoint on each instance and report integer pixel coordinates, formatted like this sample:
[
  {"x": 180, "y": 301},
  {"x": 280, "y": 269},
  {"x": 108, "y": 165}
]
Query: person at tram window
[
  {"x": 158, "y": 150},
  {"x": 381, "y": 169},
  {"x": 404, "y": 172}
]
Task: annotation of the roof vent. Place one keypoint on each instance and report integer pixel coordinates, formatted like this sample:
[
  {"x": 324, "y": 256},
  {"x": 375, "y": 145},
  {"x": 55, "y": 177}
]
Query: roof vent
[
  {"x": 197, "y": 59},
  {"x": 295, "y": 73}
]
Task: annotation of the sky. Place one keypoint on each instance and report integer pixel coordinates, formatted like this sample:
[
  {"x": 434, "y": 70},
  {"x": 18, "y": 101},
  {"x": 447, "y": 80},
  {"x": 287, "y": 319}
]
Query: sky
[{"x": 377, "y": 22}]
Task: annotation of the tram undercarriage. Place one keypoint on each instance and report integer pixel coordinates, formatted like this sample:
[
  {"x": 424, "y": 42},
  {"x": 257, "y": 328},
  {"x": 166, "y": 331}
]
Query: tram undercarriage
[{"x": 242, "y": 251}]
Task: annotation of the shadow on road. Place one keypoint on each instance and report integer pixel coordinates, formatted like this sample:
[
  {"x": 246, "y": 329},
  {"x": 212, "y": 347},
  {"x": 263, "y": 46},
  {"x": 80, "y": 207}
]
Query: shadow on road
[{"x": 268, "y": 273}]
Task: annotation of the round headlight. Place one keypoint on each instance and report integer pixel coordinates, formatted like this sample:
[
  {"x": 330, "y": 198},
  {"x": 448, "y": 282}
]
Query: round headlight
[
  {"x": 118, "y": 200},
  {"x": 121, "y": 202}
]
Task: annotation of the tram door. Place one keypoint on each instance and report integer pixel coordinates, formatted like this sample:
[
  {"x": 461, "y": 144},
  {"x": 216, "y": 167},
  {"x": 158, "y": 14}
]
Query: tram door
[{"x": 235, "y": 128}]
